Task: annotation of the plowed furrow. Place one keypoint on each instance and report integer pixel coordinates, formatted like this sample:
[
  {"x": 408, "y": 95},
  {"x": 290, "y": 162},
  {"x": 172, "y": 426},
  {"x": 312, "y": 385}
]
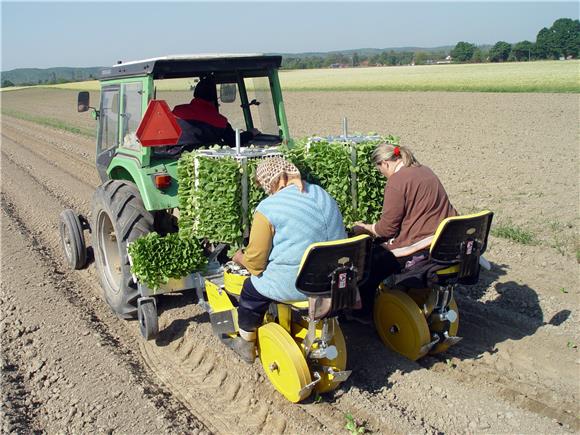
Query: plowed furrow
[
  {"x": 29, "y": 157},
  {"x": 71, "y": 144},
  {"x": 111, "y": 331}
]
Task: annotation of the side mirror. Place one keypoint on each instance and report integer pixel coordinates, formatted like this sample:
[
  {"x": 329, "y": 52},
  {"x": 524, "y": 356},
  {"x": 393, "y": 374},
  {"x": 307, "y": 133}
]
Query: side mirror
[
  {"x": 83, "y": 101},
  {"x": 228, "y": 92}
]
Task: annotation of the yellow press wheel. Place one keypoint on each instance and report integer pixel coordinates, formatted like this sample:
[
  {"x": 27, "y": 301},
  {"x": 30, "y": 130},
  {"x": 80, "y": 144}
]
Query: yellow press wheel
[
  {"x": 338, "y": 364},
  {"x": 401, "y": 324},
  {"x": 440, "y": 326},
  {"x": 283, "y": 362}
]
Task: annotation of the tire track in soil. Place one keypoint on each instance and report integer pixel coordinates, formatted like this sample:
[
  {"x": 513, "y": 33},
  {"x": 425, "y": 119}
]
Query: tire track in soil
[
  {"x": 310, "y": 418},
  {"x": 16, "y": 415},
  {"x": 66, "y": 285}
]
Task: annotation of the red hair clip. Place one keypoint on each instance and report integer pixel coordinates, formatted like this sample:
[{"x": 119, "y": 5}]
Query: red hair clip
[{"x": 397, "y": 152}]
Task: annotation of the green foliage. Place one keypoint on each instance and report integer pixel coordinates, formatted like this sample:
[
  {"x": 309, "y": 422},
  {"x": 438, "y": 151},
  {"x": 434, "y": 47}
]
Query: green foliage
[
  {"x": 561, "y": 39},
  {"x": 515, "y": 233},
  {"x": 352, "y": 426},
  {"x": 463, "y": 51},
  {"x": 330, "y": 165},
  {"x": 210, "y": 197},
  {"x": 523, "y": 51},
  {"x": 156, "y": 259},
  {"x": 255, "y": 193},
  {"x": 500, "y": 51}
]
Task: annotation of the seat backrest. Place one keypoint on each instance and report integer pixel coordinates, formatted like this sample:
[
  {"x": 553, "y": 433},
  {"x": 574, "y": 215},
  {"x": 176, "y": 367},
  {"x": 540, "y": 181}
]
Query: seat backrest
[
  {"x": 322, "y": 259},
  {"x": 459, "y": 235}
]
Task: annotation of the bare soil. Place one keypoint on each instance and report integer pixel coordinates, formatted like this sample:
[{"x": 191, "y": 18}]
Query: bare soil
[{"x": 69, "y": 365}]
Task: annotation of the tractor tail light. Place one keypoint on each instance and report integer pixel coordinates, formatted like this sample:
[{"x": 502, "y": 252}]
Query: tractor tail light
[{"x": 162, "y": 181}]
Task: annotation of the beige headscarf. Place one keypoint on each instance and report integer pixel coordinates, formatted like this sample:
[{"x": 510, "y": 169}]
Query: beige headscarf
[{"x": 274, "y": 173}]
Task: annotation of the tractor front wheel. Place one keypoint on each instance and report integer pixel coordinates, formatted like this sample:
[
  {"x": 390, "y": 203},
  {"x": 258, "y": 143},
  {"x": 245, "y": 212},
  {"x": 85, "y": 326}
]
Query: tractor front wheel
[{"x": 119, "y": 217}]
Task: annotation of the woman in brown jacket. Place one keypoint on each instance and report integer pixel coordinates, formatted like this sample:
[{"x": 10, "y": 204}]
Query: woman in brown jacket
[{"x": 414, "y": 204}]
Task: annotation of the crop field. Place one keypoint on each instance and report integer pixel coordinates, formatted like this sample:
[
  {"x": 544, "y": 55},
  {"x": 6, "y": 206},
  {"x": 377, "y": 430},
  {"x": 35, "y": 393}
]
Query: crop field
[
  {"x": 516, "y": 370},
  {"x": 546, "y": 76}
]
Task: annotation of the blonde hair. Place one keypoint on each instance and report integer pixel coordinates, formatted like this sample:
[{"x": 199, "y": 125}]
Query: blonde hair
[{"x": 386, "y": 151}]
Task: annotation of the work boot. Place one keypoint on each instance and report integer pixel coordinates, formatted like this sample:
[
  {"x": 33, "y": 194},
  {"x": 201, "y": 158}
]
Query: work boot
[{"x": 245, "y": 345}]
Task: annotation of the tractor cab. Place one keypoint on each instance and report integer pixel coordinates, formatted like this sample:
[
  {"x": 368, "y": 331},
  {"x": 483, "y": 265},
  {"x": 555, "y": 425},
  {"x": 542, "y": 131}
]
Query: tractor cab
[{"x": 249, "y": 96}]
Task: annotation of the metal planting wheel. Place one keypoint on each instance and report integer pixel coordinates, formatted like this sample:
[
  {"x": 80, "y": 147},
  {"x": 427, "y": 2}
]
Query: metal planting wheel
[
  {"x": 401, "y": 324},
  {"x": 283, "y": 362}
]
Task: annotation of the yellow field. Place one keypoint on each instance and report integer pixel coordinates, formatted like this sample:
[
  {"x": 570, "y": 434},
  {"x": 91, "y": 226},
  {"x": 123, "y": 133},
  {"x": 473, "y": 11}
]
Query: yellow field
[{"x": 549, "y": 76}]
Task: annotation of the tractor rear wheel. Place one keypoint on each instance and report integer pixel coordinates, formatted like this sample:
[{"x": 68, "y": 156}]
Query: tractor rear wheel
[{"x": 119, "y": 217}]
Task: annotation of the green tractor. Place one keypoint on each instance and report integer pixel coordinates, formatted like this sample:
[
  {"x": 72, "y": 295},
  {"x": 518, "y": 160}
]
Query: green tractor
[{"x": 138, "y": 193}]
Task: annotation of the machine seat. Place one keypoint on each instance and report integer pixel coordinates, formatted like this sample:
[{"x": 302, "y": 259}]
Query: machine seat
[{"x": 454, "y": 254}]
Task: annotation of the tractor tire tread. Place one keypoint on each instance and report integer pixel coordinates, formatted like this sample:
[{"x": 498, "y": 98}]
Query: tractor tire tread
[{"x": 122, "y": 202}]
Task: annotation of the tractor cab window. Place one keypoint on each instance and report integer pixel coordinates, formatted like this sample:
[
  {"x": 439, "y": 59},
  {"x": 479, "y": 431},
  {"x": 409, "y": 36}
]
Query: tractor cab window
[
  {"x": 232, "y": 110},
  {"x": 261, "y": 105},
  {"x": 109, "y": 118},
  {"x": 132, "y": 114},
  {"x": 247, "y": 104}
]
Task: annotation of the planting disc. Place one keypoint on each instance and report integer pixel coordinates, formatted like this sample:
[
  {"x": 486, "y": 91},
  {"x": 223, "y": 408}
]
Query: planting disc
[
  {"x": 401, "y": 324},
  {"x": 440, "y": 327},
  {"x": 283, "y": 362}
]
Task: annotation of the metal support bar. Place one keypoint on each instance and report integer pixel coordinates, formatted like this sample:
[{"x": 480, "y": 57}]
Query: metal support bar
[
  {"x": 353, "y": 177},
  {"x": 245, "y": 205}
]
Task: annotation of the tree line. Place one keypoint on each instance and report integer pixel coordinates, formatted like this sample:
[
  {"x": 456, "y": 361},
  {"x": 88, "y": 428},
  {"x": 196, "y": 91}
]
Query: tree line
[{"x": 561, "y": 40}]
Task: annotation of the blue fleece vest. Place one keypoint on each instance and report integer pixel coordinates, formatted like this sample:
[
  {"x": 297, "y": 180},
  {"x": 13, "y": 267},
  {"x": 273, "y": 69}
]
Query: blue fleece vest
[{"x": 299, "y": 219}]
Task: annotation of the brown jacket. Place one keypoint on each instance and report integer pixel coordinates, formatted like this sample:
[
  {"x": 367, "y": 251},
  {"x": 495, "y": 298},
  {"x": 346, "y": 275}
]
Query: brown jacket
[{"x": 415, "y": 203}]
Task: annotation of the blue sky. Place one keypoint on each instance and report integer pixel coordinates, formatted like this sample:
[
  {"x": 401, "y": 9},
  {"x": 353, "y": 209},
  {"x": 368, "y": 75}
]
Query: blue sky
[{"x": 49, "y": 34}]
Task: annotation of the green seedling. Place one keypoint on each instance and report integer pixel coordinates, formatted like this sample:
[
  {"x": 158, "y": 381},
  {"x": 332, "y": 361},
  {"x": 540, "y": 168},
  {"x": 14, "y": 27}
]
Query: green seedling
[
  {"x": 514, "y": 233},
  {"x": 563, "y": 290},
  {"x": 156, "y": 259},
  {"x": 352, "y": 426},
  {"x": 571, "y": 345}
]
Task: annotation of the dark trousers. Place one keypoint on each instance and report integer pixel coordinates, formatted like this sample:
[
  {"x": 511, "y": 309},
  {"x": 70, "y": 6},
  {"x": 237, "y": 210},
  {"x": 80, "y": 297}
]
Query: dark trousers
[
  {"x": 382, "y": 264},
  {"x": 253, "y": 306}
]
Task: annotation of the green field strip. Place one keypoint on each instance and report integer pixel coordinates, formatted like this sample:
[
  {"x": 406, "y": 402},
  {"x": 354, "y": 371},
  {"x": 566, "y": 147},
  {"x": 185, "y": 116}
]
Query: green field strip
[{"x": 49, "y": 122}]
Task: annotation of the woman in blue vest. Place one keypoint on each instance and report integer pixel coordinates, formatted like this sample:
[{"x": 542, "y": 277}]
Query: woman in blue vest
[{"x": 295, "y": 215}]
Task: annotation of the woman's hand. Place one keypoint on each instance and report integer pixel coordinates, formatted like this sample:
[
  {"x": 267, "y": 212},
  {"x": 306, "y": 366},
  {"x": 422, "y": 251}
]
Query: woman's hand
[
  {"x": 361, "y": 228},
  {"x": 239, "y": 257}
]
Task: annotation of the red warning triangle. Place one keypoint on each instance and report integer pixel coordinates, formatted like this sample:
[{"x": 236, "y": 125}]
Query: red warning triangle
[{"x": 158, "y": 126}]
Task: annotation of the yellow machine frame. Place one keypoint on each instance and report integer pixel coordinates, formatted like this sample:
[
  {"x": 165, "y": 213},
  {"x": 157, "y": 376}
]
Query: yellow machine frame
[
  {"x": 417, "y": 321},
  {"x": 300, "y": 354}
]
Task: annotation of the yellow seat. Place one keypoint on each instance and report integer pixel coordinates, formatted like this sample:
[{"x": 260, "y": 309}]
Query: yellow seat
[{"x": 459, "y": 242}]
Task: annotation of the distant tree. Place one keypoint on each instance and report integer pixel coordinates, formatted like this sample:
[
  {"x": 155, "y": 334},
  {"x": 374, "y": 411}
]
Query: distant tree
[
  {"x": 375, "y": 59},
  {"x": 562, "y": 39},
  {"x": 463, "y": 51},
  {"x": 523, "y": 50},
  {"x": 477, "y": 56},
  {"x": 7, "y": 84},
  {"x": 566, "y": 34},
  {"x": 421, "y": 57},
  {"x": 355, "y": 59},
  {"x": 545, "y": 47},
  {"x": 500, "y": 51}
]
